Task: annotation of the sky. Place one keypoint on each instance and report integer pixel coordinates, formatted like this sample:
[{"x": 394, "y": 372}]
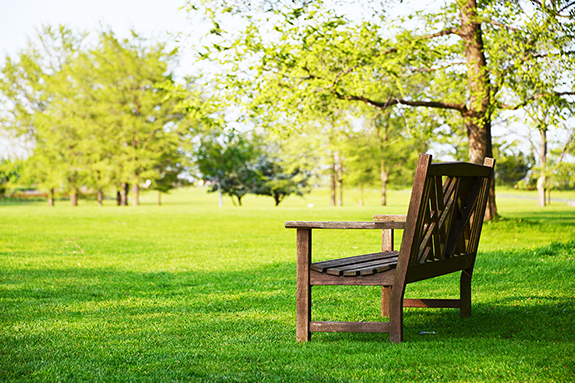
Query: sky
[{"x": 20, "y": 18}]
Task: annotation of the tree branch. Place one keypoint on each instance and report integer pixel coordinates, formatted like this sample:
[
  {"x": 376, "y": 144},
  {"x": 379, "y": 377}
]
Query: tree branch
[
  {"x": 498, "y": 24},
  {"x": 535, "y": 96},
  {"x": 565, "y": 8},
  {"x": 445, "y": 32},
  {"x": 424, "y": 70},
  {"x": 395, "y": 101},
  {"x": 460, "y": 107}
]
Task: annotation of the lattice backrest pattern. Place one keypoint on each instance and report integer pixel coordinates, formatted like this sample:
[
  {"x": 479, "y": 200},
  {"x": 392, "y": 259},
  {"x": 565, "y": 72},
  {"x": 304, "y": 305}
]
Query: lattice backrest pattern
[{"x": 451, "y": 212}]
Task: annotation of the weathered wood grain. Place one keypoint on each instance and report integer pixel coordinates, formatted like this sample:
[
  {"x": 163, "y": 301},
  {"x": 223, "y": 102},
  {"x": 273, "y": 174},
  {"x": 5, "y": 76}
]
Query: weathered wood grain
[
  {"x": 343, "y": 225},
  {"x": 380, "y": 327},
  {"x": 441, "y": 236}
]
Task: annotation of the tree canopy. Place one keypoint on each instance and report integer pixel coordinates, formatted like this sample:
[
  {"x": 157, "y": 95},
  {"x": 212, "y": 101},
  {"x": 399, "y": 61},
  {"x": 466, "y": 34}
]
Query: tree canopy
[
  {"x": 476, "y": 60},
  {"x": 103, "y": 115}
]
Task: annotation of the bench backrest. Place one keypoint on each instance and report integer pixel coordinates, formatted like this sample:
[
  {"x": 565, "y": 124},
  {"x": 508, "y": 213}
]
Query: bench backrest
[{"x": 446, "y": 210}]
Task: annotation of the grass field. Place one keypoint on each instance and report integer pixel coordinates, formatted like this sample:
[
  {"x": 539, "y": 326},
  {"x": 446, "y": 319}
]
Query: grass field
[{"x": 188, "y": 291}]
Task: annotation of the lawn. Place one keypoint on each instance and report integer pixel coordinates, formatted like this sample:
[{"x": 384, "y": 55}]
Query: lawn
[{"x": 188, "y": 291}]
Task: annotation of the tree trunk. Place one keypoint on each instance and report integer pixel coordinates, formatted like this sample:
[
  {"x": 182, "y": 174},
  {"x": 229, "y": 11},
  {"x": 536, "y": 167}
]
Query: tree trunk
[
  {"x": 221, "y": 197},
  {"x": 135, "y": 194},
  {"x": 542, "y": 180},
  {"x": 51, "y": 197},
  {"x": 333, "y": 184},
  {"x": 384, "y": 174},
  {"x": 340, "y": 181},
  {"x": 74, "y": 196},
  {"x": 239, "y": 200},
  {"x": 124, "y": 194},
  {"x": 159, "y": 198},
  {"x": 100, "y": 197},
  {"x": 118, "y": 198},
  {"x": 477, "y": 116},
  {"x": 541, "y": 189},
  {"x": 480, "y": 147}
]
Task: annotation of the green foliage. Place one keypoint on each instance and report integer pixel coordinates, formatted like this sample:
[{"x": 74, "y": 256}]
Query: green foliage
[
  {"x": 294, "y": 62},
  {"x": 278, "y": 179},
  {"x": 512, "y": 164},
  {"x": 224, "y": 158},
  {"x": 564, "y": 177},
  {"x": 99, "y": 116},
  {"x": 240, "y": 163},
  {"x": 10, "y": 174}
]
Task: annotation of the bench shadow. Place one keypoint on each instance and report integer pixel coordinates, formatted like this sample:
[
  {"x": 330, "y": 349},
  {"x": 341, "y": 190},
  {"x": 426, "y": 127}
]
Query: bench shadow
[{"x": 263, "y": 297}]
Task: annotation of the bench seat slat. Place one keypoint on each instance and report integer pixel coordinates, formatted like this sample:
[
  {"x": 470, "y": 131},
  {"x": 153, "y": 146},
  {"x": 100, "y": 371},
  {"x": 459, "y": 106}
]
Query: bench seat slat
[
  {"x": 366, "y": 264},
  {"x": 324, "y": 265},
  {"x": 362, "y": 265}
]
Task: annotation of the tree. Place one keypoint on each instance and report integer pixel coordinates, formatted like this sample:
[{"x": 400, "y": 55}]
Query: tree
[
  {"x": 545, "y": 114},
  {"x": 468, "y": 58},
  {"x": 170, "y": 168},
  {"x": 29, "y": 84},
  {"x": 98, "y": 116},
  {"x": 10, "y": 173},
  {"x": 278, "y": 179},
  {"x": 131, "y": 84},
  {"x": 224, "y": 158},
  {"x": 513, "y": 164}
]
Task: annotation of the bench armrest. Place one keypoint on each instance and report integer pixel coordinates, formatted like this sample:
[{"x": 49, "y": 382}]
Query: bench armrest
[
  {"x": 389, "y": 218},
  {"x": 343, "y": 225}
]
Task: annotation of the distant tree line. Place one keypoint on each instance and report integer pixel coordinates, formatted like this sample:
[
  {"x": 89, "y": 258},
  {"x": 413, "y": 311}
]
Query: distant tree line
[
  {"x": 466, "y": 67},
  {"x": 318, "y": 98},
  {"x": 110, "y": 116}
]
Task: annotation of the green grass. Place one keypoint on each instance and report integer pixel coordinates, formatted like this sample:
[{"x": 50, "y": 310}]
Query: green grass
[{"x": 192, "y": 292}]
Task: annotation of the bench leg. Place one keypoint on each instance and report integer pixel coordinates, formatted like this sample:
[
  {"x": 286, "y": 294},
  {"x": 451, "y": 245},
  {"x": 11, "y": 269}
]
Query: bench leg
[
  {"x": 465, "y": 293},
  {"x": 386, "y": 245},
  {"x": 303, "y": 294},
  {"x": 385, "y": 298},
  {"x": 396, "y": 315}
]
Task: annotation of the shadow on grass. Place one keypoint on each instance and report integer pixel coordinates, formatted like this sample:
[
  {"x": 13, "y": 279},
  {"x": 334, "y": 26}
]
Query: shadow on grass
[
  {"x": 547, "y": 216},
  {"x": 105, "y": 324}
]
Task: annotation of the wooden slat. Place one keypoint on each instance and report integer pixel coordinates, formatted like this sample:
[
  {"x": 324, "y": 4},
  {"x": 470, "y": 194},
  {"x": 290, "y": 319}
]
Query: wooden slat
[
  {"x": 379, "y": 327},
  {"x": 357, "y": 259},
  {"x": 452, "y": 184},
  {"x": 451, "y": 216},
  {"x": 425, "y": 255},
  {"x": 450, "y": 303},
  {"x": 366, "y": 264},
  {"x": 303, "y": 292},
  {"x": 436, "y": 205},
  {"x": 425, "y": 247},
  {"x": 454, "y": 237},
  {"x": 386, "y": 278},
  {"x": 489, "y": 162},
  {"x": 370, "y": 269},
  {"x": 419, "y": 221},
  {"x": 387, "y": 240},
  {"x": 423, "y": 271},
  {"x": 343, "y": 225},
  {"x": 389, "y": 217},
  {"x": 458, "y": 169}
]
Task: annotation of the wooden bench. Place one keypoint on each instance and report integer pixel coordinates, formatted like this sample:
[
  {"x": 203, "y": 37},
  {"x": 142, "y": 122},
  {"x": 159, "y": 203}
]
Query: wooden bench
[{"x": 440, "y": 235}]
